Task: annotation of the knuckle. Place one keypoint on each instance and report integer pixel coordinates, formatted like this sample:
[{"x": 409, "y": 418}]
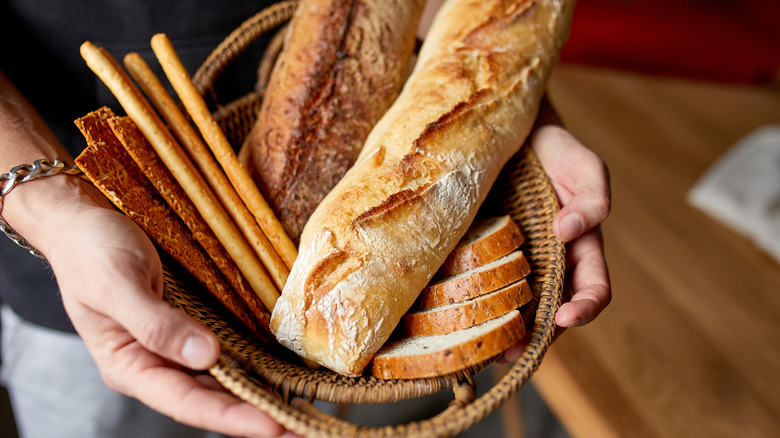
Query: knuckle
[
  {"x": 603, "y": 207},
  {"x": 153, "y": 334},
  {"x": 112, "y": 382}
]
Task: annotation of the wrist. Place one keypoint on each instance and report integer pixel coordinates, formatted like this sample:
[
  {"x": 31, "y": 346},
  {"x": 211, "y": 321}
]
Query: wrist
[{"x": 41, "y": 209}]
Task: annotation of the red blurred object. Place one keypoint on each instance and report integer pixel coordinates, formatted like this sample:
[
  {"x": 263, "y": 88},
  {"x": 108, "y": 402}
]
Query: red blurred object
[{"x": 720, "y": 40}]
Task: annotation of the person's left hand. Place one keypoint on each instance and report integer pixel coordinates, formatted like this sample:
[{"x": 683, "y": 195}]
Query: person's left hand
[{"x": 581, "y": 181}]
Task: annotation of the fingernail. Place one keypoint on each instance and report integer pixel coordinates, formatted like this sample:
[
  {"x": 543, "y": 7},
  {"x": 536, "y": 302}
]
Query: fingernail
[
  {"x": 571, "y": 226},
  {"x": 196, "y": 352}
]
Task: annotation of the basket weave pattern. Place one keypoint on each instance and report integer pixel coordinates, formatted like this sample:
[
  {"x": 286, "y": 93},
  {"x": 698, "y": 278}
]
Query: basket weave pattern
[{"x": 284, "y": 388}]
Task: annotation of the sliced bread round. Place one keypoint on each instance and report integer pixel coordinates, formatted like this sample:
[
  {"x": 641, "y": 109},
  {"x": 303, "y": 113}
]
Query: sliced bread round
[
  {"x": 485, "y": 241},
  {"x": 448, "y": 318},
  {"x": 428, "y": 356},
  {"x": 479, "y": 281}
]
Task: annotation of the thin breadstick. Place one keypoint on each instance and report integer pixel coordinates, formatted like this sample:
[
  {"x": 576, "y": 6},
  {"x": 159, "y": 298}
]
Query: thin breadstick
[
  {"x": 114, "y": 77},
  {"x": 215, "y": 138},
  {"x": 201, "y": 155},
  {"x": 112, "y": 170},
  {"x": 138, "y": 147}
]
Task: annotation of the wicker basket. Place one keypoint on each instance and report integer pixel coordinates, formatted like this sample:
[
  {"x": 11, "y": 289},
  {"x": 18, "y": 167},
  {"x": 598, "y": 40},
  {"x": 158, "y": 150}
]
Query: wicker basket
[{"x": 286, "y": 389}]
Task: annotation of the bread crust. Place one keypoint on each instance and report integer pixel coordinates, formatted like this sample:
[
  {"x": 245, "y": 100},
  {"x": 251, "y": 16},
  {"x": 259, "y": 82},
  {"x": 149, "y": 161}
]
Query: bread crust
[
  {"x": 469, "y": 255},
  {"x": 455, "y": 358},
  {"x": 344, "y": 62},
  {"x": 472, "y": 284},
  {"x": 380, "y": 235},
  {"x": 447, "y": 319}
]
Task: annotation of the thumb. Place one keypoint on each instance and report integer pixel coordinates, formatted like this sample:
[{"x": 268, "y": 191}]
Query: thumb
[{"x": 168, "y": 332}]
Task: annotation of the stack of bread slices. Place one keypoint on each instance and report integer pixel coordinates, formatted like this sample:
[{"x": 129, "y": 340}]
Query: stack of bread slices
[{"x": 469, "y": 312}]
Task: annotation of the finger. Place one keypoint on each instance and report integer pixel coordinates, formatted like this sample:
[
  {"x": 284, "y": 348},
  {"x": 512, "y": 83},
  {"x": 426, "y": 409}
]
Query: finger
[
  {"x": 127, "y": 297},
  {"x": 513, "y": 353},
  {"x": 189, "y": 401},
  {"x": 197, "y": 400},
  {"x": 583, "y": 212},
  {"x": 579, "y": 177},
  {"x": 166, "y": 331},
  {"x": 589, "y": 282}
]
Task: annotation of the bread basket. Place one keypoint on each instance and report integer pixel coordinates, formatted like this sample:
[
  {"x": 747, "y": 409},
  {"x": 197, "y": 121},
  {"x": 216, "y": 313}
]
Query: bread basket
[{"x": 285, "y": 388}]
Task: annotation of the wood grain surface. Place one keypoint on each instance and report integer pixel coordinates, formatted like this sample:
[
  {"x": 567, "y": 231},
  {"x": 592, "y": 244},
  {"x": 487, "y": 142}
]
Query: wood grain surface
[{"x": 690, "y": 346}]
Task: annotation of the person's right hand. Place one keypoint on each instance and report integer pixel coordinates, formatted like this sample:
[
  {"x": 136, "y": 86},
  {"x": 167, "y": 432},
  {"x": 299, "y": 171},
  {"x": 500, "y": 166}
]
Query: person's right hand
[
  {"x": 110, "y": 279},
  {"x": 111, "y": 283}
]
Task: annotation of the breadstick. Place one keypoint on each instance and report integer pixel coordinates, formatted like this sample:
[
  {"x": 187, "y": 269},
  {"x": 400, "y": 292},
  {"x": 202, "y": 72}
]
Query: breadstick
[
  {"x": 139, "y": 110},
  {"x": 112, "y": 170},
  {"x": 200, "y": 154},
  {"x": 161, "y": 178},
  {"x": 215, "y": 138}
]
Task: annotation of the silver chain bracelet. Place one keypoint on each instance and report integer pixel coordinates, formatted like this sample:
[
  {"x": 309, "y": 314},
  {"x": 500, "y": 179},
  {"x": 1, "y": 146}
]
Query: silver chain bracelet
[{"x": 24, "y": 173}]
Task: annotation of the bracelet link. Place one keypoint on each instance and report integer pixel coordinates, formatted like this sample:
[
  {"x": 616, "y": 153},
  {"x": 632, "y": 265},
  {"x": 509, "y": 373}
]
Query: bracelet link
[{"x": 24, "y": 173}]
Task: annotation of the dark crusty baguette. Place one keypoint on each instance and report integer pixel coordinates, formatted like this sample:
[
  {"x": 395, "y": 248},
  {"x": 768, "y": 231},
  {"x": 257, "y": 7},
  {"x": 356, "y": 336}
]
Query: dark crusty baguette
[
  {"x": 343, "y": 63},
  {"x": 457, "y": 316},
  {"x": 429, "y": 356},
  {"x": 381, "y": 234}
]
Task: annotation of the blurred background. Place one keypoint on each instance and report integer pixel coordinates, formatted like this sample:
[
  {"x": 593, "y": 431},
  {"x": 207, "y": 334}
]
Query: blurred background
[
  {"x": 681, "y": 100},
  {"x": 673, "y": 95}
]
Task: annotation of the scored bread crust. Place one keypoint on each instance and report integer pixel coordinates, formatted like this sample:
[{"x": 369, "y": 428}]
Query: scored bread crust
[
  {"x": 343, "y": 64},
  {"x": 380, "y": 235},
  {"x": 457, "y": 355},
  {"x": 477, "y": 248},
  {"x": 478, "y": 281},
  {"x": 448, "y": 318}
]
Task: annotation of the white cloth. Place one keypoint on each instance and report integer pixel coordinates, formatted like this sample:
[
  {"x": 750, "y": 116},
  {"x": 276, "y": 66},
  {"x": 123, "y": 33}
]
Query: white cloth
[
  {"x": 57, "y": 392},
  {"x": 742, "y": 189}
]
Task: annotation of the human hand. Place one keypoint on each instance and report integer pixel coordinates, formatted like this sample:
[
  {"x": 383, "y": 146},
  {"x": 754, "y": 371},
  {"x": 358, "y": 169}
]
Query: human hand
[
  {"x": 581, "y": 181},
  {"x": 111, "y": 282}
]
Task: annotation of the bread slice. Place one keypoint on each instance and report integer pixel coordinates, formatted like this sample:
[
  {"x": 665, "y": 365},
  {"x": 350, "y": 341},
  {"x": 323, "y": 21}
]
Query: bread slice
[
  {"x": 451, "y": 317},
  {"x": 428, "y": 356},
  {"x": 479, "y": 281},
  {"x": 485, "y": 241}
]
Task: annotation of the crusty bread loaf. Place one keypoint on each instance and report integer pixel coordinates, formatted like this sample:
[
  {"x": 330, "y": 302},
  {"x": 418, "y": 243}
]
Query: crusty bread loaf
[
  {"x": 380, "y": 235},
  {"x": 479, "y": 281},
  {"x": 429, "y": 356},
  {"x": 344, "y": 62},
  {"x": 485, "y": 241},
  {"x": 457, "y": 316}
]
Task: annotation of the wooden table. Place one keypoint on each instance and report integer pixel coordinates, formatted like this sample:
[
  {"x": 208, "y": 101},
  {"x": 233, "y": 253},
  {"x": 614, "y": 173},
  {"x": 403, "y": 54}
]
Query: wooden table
[{"x": 690, "y": 346}]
